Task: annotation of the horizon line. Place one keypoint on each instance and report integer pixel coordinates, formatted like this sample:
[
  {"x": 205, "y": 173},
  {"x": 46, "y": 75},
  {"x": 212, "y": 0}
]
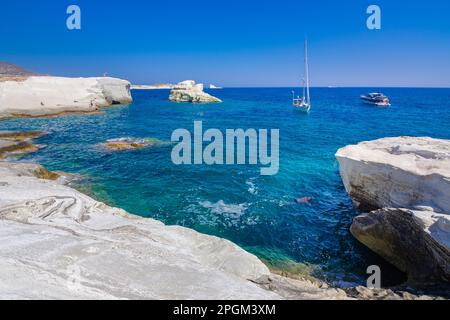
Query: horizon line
[{"x": 317, "y": 87}]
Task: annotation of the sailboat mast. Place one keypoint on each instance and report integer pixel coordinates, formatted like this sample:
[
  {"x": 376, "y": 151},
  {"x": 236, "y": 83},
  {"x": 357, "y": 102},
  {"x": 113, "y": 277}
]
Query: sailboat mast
[{"x": 307, "y": 72}]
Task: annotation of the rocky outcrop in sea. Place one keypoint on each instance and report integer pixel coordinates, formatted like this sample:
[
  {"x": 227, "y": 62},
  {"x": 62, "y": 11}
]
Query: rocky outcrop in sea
[
  {"x": 403, "y": 184},
  {"x": 128, "y": 143},
  {"x": 45, "y": 96},
  {"x": 158, "y": 86},
  {"x": 18, "y": 143},
  {"x": 189, "y": 91}
]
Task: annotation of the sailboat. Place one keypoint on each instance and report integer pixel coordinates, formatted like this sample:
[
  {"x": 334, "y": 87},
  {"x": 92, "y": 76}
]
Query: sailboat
[{"x": 303, "y": 103}]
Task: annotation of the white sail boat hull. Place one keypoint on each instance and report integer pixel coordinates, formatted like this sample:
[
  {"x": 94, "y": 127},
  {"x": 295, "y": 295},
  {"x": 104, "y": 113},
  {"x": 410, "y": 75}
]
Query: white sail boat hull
[{"x": 303, "y": 108}]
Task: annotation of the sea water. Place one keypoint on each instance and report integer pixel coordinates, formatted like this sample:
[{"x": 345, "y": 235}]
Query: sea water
[{"x": 235, "y": 202}]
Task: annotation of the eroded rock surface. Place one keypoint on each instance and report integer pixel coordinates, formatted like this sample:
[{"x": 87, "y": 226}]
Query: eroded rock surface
[{"x": 408, "y": 178}]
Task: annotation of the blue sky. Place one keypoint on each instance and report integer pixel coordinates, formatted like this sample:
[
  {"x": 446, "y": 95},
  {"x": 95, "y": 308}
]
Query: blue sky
[{"x": 233, "y": 43}]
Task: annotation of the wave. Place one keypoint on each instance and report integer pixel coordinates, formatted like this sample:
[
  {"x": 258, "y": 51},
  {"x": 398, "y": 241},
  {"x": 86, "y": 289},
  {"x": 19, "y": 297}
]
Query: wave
[
  {"x": 221, "y": 208},
  {"x": 251, "y": 187}
]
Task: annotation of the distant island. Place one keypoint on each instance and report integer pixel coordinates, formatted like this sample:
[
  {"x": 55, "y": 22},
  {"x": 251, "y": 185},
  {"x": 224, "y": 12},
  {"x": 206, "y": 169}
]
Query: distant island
[
  {"x": 152, "y": 86},
  {"x": 167, "y": 86},
  {"x": 9, "y": 69},
  {"x": 12, "y": 72}
]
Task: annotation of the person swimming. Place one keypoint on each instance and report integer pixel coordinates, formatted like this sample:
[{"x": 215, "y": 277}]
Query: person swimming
[{"x": 305, "y": 200}]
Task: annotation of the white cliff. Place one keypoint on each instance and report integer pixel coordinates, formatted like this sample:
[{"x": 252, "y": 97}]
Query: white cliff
[
  {"x": 189, "y": 91},
  {"x": 42, "y": 96},
  {"x": 407, "y": 178}
]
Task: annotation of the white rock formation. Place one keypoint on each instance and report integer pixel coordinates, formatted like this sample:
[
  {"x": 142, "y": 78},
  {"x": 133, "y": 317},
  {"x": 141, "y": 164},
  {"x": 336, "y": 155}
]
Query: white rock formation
[
  {"x": 398, "y": 172},
  {"x": 56, "y": 243},
  {"x": 409, "y": 179},
  {"x": 189, "y": 91},
  {"x": 42, "y": 96}
]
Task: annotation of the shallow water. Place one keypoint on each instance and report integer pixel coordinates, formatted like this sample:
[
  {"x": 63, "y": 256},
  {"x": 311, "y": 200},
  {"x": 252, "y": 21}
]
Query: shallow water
[{"x": 236, "y": 202}]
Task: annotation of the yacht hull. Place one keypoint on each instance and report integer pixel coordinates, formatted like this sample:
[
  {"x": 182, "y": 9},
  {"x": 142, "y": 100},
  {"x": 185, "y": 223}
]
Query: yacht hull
[
  {"x": 378, "y": 104},
  {"x": 376, "y": 99}
]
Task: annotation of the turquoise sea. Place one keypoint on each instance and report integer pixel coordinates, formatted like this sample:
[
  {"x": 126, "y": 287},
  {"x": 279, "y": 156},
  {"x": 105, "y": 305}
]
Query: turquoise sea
[{"x": 235, "y": 202}]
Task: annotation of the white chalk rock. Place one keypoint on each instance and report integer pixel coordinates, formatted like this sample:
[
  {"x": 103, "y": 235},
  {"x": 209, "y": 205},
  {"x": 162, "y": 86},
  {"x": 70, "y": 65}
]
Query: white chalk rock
[
  {"x": 402, "y": 172},
  {"x": 43, "y": 96},
  {"x": 189, "y": 91},
  {"x": 408, "y": 179}
]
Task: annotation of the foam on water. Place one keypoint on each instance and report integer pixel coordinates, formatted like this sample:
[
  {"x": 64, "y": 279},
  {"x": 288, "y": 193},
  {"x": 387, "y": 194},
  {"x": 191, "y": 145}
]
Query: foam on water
[
  {"x": 252, "y": 187},
  {"x": 221, "y": 208}
]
